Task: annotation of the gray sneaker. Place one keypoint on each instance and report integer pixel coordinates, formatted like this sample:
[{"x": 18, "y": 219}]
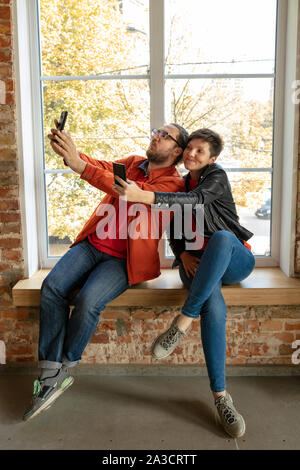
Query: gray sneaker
[
  {"x": 231, "y": 420},
  {"x": 46, "y": 391},
  {"x": 165, "y": 344}
]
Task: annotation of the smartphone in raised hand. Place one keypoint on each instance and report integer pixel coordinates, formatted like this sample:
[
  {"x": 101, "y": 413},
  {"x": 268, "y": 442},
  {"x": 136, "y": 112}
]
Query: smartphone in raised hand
[
  {"x": 119, "y": 170},
  {"x": 61, "y": 124},
  {"x": 62, "y": 121}
]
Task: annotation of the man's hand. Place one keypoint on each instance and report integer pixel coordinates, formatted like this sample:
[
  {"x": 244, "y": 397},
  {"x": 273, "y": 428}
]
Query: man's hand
[
  {"x": 190, "y": 263},
  {"x": 132, "y": 193},
  {"x": 63, "y": 145}
]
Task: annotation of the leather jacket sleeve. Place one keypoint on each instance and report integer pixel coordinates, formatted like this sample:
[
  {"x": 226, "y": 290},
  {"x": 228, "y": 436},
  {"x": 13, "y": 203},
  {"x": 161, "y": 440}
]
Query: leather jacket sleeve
[{"x": 213, "y": 187}]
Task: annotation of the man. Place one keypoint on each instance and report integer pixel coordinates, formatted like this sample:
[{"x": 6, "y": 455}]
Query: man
[{"x": 102, "y": 267}]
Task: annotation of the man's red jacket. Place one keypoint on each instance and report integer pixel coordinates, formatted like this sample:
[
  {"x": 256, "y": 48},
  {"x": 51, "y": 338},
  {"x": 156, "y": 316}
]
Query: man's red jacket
[{"x": 142, "y": 253}]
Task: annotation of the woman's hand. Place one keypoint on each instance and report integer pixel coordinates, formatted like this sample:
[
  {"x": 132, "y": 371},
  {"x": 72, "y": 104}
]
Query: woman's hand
[
  {"x": 190, "y": 263},
  {"x": 63, "y": 145},
  {"x": 132, "y": 193}
]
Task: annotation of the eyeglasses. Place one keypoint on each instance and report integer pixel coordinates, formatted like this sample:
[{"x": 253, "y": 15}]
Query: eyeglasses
[{"x": 164, "y": 135}]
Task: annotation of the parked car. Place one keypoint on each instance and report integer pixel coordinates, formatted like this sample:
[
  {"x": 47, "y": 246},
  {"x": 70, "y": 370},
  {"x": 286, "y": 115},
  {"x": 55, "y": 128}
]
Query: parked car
[{"x": 264, "y": 212}]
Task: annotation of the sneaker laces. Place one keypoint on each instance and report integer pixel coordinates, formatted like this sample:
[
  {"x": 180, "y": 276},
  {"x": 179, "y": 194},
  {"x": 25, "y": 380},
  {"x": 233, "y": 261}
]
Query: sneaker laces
[
  {"x": 37, "y": 387},
  {"x": 226, "y": 411},
  {"x": 172, "y": 337}
]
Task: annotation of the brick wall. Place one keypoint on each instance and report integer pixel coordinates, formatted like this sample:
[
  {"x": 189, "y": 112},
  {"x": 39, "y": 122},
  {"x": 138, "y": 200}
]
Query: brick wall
[
  {"x": 261, "y": 335},
  {"x": 11, "y": 262}
]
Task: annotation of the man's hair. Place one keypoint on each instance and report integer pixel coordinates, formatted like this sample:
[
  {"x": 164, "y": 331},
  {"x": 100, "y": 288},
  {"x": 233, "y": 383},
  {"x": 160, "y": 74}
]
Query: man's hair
[
  {"x": 182, "y": 139},
  {"x": 216, "y": 143}
]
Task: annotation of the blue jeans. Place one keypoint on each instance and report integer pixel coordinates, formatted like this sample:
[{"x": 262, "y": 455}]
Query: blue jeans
[
  {"x": 100, "y": 278},
  {"x": 224, "y": 261}
]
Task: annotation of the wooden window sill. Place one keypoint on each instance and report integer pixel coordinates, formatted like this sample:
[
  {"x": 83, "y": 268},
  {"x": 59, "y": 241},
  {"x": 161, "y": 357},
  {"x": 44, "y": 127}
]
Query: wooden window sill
[{"x": 265, "y": 286}]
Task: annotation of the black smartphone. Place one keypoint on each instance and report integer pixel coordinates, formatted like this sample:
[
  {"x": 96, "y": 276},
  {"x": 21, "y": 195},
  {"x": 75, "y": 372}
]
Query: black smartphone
[
  {"x": 119, "y": 170},
  {"x": 62, "y": 120}
]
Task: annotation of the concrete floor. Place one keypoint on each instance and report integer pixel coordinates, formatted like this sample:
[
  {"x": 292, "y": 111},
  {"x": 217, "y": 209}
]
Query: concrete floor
[{"x": 151, "y": 413}]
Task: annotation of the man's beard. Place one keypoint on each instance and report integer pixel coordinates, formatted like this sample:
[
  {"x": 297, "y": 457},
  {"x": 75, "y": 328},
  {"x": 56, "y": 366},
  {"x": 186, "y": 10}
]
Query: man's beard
[{"x": 155, "y": 157}]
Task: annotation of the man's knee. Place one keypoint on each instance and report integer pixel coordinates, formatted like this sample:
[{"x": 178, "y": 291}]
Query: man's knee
[{"x": 52, "y": 284}]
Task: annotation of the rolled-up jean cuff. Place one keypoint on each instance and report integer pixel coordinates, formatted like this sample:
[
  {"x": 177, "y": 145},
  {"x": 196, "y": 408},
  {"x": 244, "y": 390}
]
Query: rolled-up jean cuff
[
  {"x": 188, "y": 315},
  {"x": 49, "y": 365},
  {"x": 68, "y": 363}
]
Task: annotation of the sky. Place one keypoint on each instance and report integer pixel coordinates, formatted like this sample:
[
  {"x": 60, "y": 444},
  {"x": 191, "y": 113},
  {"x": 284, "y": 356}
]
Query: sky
[{"x": 218, "y": 30}]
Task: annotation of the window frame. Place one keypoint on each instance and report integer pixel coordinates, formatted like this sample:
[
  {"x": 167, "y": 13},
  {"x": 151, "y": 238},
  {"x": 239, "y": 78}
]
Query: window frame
[{"x": 30, "y": 131}]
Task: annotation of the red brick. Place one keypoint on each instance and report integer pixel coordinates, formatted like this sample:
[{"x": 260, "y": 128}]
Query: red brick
[
  {"x": 99, "y": 338},
  {"x": 5, "y": 13},
  {"x": 8, "y": 155},
  {"x": 5, "y": 27},
  {"x": 6, "y": 73},
  {"x": 12, "y": 255},
  {"x": 6, "y": 325},
  {"x": 9, "y": 98},
  {"x": 18, "y": 339},
  {"x": 23, "y": 324},
  {"x": 236, "y": 360},
  {"x": 292, "y": 326},
  {"x": 30, "y": 358},
  {"x": 4, "y": 267},
  {"x": 259, "y": 349},
  {"x": 5, "y": 55},
  {"x": 8, "y": 192},
  {"x": 107, "y": 325},
  {"x": 10, "y": 228},
  {"x": 115, "y": 314},
  {"x": 10, "y": 216},
  {"x": 14, "y": 313},
  {"x": 9, "y": 205},
  {"x": 252, "y": 325},
  {"x": 10, "y": 243},
  {"x": 5, "y": 41},
  {"x": 244, "y": 350},
  {"x": 124, "y": 339},
  {"x": 286, "y": 350},
  {"x": 142, "y": 315},
  {"x": 285, "y": 337},
  {"x": 7, "y": 140},
  {"x": 271, "y": 325}
]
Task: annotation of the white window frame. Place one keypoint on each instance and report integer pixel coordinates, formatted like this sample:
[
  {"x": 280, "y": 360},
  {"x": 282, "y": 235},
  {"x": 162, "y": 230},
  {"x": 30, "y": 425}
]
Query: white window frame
[{"x": 30, "y": 132}]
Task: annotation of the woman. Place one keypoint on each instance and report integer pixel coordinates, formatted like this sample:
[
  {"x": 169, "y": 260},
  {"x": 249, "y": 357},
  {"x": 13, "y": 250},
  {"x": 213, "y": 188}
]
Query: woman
[{"x": 225, "y": 258}]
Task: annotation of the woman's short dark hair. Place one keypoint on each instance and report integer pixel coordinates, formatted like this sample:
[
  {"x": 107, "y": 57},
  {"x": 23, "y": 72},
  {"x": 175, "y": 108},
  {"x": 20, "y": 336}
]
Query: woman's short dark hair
[
  {"x": 216, "y": 143},
  {"x": 182, "y": 140}
]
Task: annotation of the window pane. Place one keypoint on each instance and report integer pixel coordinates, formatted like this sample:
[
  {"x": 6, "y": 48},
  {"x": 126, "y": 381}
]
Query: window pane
[
  {"x": 252, "y": 196},
  {"x": 90, "y": 37},
  {"x": 240, "y": 110},
  {"x": 70, "y": 202},
  {"x": 107, "y": 119},
  {"x": 218, "y": 36}
]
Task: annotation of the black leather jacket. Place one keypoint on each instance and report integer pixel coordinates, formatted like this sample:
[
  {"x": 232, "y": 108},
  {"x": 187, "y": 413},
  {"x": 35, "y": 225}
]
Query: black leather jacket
[{"x": 214, "y": 192}]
